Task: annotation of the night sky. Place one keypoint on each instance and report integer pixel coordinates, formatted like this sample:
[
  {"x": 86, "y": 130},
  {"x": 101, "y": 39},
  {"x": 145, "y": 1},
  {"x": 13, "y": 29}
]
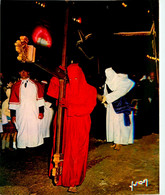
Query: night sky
[{"x": 102, "y": 19}]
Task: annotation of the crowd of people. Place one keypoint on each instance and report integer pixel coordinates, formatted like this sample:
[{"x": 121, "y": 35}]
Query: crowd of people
[{"x": 27, "y": 115}]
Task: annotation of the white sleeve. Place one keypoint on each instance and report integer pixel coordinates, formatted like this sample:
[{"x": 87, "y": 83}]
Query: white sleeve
[
  {"x": 123, "y": 88},
  {"x": 40, "y": 102},
  {"x": 13, "y": 106}
]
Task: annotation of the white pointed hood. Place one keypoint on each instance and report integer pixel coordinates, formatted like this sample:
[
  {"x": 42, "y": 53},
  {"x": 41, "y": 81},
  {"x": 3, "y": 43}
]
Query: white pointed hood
[{"x": 114, "y": 79}]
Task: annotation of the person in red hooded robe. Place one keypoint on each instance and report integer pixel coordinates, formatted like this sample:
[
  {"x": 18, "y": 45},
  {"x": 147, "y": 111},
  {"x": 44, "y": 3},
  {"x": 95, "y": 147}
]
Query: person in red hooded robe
[{"x": 80, "y": 100}]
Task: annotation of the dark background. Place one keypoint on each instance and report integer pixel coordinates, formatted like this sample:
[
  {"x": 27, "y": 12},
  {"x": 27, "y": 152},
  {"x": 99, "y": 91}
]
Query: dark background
[{"x": 101, "y": 18}]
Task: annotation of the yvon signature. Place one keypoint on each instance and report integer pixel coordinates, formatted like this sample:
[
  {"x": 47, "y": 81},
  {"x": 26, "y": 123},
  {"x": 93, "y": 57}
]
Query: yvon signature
[{"x": 145, "y": 181}]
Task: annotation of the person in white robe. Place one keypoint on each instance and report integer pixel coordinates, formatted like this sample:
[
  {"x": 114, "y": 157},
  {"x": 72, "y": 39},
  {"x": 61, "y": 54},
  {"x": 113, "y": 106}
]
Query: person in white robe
[
  {"x": 116, "y": 131},
  {"x": 26, "y": 100}
]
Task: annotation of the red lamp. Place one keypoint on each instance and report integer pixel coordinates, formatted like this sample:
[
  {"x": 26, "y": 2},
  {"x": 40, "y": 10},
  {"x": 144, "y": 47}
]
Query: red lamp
[
  {"x": 42, "y": 36},
  {"x": 77, "y": 20}
]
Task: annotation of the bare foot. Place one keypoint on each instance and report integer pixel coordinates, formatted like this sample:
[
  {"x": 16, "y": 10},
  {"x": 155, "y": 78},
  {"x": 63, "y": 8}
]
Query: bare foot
[
  {"x": 72, "y": 189},
  {"x": 118, "y": 146},
  {"x": 113, "y": 146}
]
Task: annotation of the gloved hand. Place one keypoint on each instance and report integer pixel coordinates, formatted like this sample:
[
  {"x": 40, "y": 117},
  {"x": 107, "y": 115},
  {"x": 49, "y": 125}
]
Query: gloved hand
[
  {"x": 41, "y": 116},
  {"x": 62, "y": 67}
]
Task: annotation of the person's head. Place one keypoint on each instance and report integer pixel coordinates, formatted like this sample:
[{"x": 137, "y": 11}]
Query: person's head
[
  {"x": 10, "y": 84},
  {"x": 152, "y": 76},
  {"x": 24, "y": 70},
  {"x": 24, "y": 74},
  {"x": 9, "y": 81},
  {"x": 76, "y": 77}
]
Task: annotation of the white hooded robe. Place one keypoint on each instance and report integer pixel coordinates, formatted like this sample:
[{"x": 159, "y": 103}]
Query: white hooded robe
[{"x": 120, "y": 85}]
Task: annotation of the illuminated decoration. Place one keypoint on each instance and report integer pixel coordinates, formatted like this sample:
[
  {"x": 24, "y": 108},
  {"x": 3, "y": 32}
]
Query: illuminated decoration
[
  {"x": 146, "y": 33},
  {"x": 140, "y": 33},
  {"x": 21, "y": 48},
  {"x": 31, "y": 53},
  {"x": 42, "y": 36},
  {"x": 133, "y": 33},
  {"x": 152, "y": 58},
  {"x": 83, "y": 39},
  {"x": 26, "y": 52},
  {"x": 77, "y": 20},
  {"x": 41, "y": 4},
  {"x": 124, "y": 5}
]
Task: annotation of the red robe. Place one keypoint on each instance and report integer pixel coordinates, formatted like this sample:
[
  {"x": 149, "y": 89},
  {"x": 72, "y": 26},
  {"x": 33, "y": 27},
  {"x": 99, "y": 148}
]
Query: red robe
[{"x": 80, "y": 102}]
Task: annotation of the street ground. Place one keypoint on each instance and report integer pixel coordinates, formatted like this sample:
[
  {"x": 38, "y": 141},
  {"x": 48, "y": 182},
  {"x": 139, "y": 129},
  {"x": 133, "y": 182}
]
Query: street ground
[{"x": 109, "y": 171}]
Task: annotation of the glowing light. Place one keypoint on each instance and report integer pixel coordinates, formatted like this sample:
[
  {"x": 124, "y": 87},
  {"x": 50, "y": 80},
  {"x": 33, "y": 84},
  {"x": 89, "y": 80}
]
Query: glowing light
[
  {"x": 42, "y": 36},
  {"x": 124, "y": 5},
  {"x": 148, "y": 11},
  {"x": 77, "y": 20},
  {"x": 40, "y": 4},
  {"x": 152, "y": 58}
]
